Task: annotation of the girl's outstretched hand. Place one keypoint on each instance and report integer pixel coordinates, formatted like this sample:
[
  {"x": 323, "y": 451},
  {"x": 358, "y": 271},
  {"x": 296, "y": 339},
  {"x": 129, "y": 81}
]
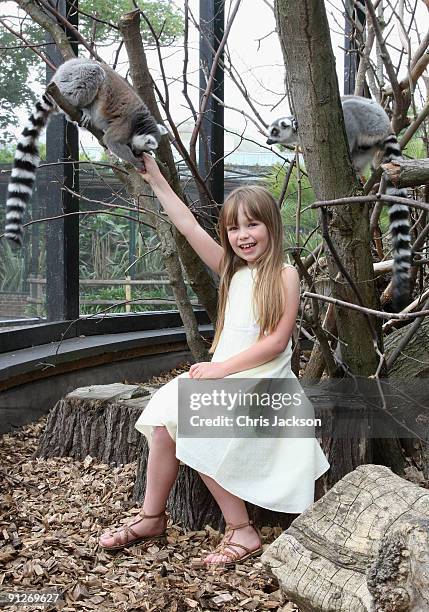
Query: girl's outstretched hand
[
  {"x": 150, "y": 171},
  {"x": 207, "y": 369}
]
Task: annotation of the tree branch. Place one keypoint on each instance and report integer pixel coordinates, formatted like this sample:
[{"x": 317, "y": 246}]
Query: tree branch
[
  {"x": 368, "y": 311},
  {"x": 28, "y": 45},
  {"x": 371, "y": 198},
  {"x": 405, "y": 339},
  {"x": 70, "y": 27},
  {"x": 396, "y": 90},
  {"x": 49, "y": 25}
]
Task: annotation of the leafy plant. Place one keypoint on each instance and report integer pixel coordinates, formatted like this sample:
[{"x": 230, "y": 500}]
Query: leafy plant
[
  {"x": 164, "y": 17},
  {"x": 20, "y": 68},
  {"x": 416, "y": 148},
  {"x": 309, "y": 220},
  {"x": 11, "y": 268}
]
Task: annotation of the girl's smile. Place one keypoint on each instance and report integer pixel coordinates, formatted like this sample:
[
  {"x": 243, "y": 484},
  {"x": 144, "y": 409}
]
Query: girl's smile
[{"x": 249, "y": 237}]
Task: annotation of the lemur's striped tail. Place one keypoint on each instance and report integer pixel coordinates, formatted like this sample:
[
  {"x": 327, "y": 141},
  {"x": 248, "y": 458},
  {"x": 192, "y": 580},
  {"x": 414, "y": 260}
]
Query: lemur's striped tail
[
  {"x": 24, "y": 169},
  {"x": 399, "y": 222}
]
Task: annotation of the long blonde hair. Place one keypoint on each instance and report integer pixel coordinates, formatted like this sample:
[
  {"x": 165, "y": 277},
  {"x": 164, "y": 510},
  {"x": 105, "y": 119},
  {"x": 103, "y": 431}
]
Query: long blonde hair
[{"x": 268, "y": 296}]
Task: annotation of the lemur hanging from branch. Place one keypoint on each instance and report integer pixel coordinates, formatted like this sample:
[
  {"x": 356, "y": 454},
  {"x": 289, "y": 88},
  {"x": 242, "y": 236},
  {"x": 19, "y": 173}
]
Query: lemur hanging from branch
[
  {"x": 369, "y": 132},
  {"x": 108, "y": 102}
]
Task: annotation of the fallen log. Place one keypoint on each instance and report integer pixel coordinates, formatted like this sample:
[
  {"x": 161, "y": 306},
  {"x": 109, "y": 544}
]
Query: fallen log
[
  {"x": 363, "y": 547},
  {"x": 99, "y": 421}
]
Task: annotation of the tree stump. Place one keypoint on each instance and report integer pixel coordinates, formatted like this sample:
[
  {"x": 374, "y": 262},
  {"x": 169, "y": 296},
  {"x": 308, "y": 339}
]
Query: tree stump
[
  {"x": 97, "y": 421},
  {"x": 100, "y": 421},
  {"x": 363, "y": 547}
]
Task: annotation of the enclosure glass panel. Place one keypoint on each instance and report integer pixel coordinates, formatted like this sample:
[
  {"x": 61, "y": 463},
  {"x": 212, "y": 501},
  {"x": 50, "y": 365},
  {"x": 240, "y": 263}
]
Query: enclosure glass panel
[
  {"x": 23, "y": 269},
  {"x": 121, "y": 265}
]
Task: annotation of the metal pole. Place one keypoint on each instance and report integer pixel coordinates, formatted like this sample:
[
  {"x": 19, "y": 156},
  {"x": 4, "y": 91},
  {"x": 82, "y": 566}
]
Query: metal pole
[
  {"x": 353, "y": 15},
  {"x": 211, "y": 140},
  {"x": 62, "y": 235}
]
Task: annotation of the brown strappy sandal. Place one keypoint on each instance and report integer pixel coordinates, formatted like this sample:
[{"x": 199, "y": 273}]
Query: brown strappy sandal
[
  {"x": 121, "y": 535},
  {"x": 224, "y": 549}
]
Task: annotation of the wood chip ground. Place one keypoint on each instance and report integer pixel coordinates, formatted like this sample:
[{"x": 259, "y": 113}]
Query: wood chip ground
[{"x": 51, "y": 514}]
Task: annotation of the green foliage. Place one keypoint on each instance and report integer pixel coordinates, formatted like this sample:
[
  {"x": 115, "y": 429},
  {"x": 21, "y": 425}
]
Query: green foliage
[
  {"x": 103, "y": 246},
  {"x": 11, "y": 267},
  {"x": 7, "y": 153},
  {"x": 416, "y": 147},
  {"x": 22, "y": 71},
  {"x": 18, "y": 64},
  {"x": 309, "y": 220},
  {"x": 118, "y": 293},
  {"x": 164, "y": 17}
]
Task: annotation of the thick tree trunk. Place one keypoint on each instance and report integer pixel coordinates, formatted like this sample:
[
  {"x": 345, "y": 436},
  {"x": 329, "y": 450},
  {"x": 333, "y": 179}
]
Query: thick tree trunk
[
  {"x": 316, "y": 365},
  {"x": 310, "y": 65},
  {"x": 100, "y": 421},
  {"x": 364, "y": 546}
]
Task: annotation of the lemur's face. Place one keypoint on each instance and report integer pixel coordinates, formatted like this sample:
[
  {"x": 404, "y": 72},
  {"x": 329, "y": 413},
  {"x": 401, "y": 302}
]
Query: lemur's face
[
  {"x": 283, "y": 131},
  {"x": 249, "y": 238},
  {"x": 144, "y": 143}
]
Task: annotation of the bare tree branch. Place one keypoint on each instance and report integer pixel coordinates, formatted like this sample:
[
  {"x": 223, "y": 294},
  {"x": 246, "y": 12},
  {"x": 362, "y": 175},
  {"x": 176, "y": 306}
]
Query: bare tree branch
[
  {"x": 380, "y": 314},
  {"x": 70, "y": 27},
  {"x": 364, "y": 61},
  {"x": 49, "y": 25},
  {"x": 397, "y": 94},
  {"x": 185, "y": 63},
  {"x": 29, "y": 45},
  {"x": 371, "y": 198},
  {"x": 405, "y": 339}
]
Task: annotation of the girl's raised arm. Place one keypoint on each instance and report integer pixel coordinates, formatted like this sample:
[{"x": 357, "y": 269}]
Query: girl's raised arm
[{"x": 180, "y": 215}]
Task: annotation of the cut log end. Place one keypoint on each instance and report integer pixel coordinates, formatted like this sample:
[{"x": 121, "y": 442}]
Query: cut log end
[
  {"x": 363, "y": 547},
  {"x": 398, "y": 579}
]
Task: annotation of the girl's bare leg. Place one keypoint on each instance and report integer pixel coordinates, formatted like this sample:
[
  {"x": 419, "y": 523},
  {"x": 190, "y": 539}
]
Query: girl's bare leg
[
  {"x": 235, "y": 512},
  {"x": 162, "y": 468}
]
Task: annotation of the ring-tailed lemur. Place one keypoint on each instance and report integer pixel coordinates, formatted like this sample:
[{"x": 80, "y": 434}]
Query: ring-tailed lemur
[
  {"x": 368, "y": 132},
  {"x": 108, "y": 102}
]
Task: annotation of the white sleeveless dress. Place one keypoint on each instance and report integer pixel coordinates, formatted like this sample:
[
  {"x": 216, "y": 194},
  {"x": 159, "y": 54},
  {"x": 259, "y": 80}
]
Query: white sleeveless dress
[{"x": 274, "y": 473}]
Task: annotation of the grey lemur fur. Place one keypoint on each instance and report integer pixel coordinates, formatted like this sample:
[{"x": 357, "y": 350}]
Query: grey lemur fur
[
  {"x": 108, "y": 102},
  {"x": 368, "y": 132}
]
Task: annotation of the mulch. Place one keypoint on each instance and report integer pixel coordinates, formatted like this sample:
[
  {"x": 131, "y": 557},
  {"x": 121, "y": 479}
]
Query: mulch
[{"x": 52, "y": 512}]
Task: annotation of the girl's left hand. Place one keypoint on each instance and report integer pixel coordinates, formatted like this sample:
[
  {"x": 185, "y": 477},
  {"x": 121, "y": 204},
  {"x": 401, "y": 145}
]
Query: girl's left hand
[{"x": 207, "y": 369}]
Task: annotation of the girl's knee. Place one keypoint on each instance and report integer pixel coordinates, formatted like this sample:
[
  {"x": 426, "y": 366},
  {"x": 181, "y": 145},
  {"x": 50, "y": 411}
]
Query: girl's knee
[{"x": 160, "y": 435}]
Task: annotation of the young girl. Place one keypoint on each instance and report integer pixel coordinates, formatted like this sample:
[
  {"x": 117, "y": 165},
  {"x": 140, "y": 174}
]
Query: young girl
[{"x": 258, "y": 304}]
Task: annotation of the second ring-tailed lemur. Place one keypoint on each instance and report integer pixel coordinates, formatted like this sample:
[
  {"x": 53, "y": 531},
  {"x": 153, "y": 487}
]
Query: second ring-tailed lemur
[
  {"x": 108, "y": 102},
  {"x": 368, "y": 132}
]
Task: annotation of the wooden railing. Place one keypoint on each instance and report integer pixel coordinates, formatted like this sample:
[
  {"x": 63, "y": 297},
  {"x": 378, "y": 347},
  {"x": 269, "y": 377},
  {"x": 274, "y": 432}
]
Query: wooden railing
[{"x": 37, "y": 291}]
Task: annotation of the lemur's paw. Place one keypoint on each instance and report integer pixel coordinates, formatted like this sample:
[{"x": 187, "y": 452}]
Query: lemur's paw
[
  {"x": 70, "y": 120},
  {"x": 86, "y": 118}
]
